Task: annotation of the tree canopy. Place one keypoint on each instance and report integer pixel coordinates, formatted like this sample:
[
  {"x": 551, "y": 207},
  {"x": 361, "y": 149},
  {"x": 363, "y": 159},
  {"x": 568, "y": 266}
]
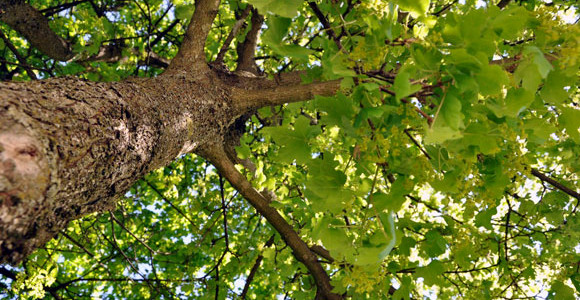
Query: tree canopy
[{"x": 444, "y": 165}]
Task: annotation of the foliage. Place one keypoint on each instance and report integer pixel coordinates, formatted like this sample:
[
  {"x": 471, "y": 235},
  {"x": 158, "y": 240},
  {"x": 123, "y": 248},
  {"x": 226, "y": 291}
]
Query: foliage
[{"x": 445, "y": 167}]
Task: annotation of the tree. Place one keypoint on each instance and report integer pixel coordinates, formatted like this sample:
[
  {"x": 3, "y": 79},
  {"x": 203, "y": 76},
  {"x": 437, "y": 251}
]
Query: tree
[{"x": 325, "y": 149}]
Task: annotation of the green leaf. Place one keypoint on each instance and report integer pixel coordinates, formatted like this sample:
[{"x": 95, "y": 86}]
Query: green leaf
[
  {"x": 516, "y": 101},
  {"x": 483, "y": 218},
  {"x": 325, "y": 185},
  {"x": 426, "y": 58},
  {"x": 286, "y": 8},
  {"x": 528, "y": 74},
  {"x": 333, "y": 237},
  {"x": 538, "y": 58},
  {"x": 576, "y": 281},
  {"x": 491, "y": 79},
  {"x": 463, "y": 61},
  {"x": 438, "y": 134},
  {"x": 510, "y": 22},
  {"x": 431, "y": 272},
  {"x": 451, "y": 111},
  {"x": 274, "y": 35},
  {"x": 277, "y": 29},
  {"x": 339, "y": 110},
  {"x": 394, "y": 199},
  {"x": 335, "y": 66},
  {"x": 481, "y": 136},
  {"x": 403, "y": 87},
  {"x": 554, "y": 91},
  {"x": 560, "y": 291},
  {"x": 184, "y": 11},
  {"x": 435, "y": 244},
  {"x": 415, "y": 7},
  {"x": 294, "y": 142},
  {"x": 570, "y": 119}
]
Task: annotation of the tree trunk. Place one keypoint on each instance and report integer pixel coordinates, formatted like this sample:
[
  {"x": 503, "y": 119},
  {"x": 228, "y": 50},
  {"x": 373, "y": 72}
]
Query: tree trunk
[{"x": 69, "y": 147}]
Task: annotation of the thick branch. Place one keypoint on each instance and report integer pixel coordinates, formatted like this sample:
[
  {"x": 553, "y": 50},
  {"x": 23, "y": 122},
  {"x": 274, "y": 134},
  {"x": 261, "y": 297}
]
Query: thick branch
[
  {"x": 250, "y": 99},
  {"x": 247, "y": 49},
  {"x": 217, "y": 156},
  {"x": 31, "y": 24},
  {"x": 191, "y": 56}
]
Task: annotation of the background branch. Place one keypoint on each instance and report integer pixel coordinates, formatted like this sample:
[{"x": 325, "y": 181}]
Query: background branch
[
  {"x": 217, "y": 156},
  {"x": 32, "y": 25}
]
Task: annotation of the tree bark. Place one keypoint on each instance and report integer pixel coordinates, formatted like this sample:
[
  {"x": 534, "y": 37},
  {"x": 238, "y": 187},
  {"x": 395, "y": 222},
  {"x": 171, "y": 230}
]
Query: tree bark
[{"x": 69, "y": 147}]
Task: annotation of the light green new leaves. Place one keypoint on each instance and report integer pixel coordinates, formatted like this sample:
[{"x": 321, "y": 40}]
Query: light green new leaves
[
  {"x": 286, "y": 8},
  {"x": 273, "y": 36},
  {"x": 294, "y": 143},
  {"x": 417, "y": 8}
]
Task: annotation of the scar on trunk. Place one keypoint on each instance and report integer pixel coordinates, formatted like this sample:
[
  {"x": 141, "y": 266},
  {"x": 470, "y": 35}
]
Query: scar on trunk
[{"x": 23, "y": 169}]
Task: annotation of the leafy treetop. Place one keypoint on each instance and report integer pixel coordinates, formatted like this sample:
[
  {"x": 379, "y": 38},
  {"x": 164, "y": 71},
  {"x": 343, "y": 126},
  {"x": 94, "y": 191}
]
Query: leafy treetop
[{"x": 446, "y": 165}]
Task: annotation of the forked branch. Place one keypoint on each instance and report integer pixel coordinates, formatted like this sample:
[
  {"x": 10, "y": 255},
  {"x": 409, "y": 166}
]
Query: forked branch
[
  {"x": 191, "y": 56},
  {"x": 218, "y": 157},
  {"x": 247, "y": 49},
  {"x": 235, "y": 30}
]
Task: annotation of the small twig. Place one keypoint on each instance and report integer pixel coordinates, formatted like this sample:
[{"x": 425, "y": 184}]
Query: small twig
[
  {"x": 254, "y": 269},
  {"x": 556, "y": 184},
  {"x": 133, "y": 235},
  {"x": 445, "y": 8},
  {"x": 21, "y": 59}
]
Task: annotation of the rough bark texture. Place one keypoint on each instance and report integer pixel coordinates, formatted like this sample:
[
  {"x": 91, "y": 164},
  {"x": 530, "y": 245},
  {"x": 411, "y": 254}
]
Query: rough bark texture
[{"x": 69, "y": 147}]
